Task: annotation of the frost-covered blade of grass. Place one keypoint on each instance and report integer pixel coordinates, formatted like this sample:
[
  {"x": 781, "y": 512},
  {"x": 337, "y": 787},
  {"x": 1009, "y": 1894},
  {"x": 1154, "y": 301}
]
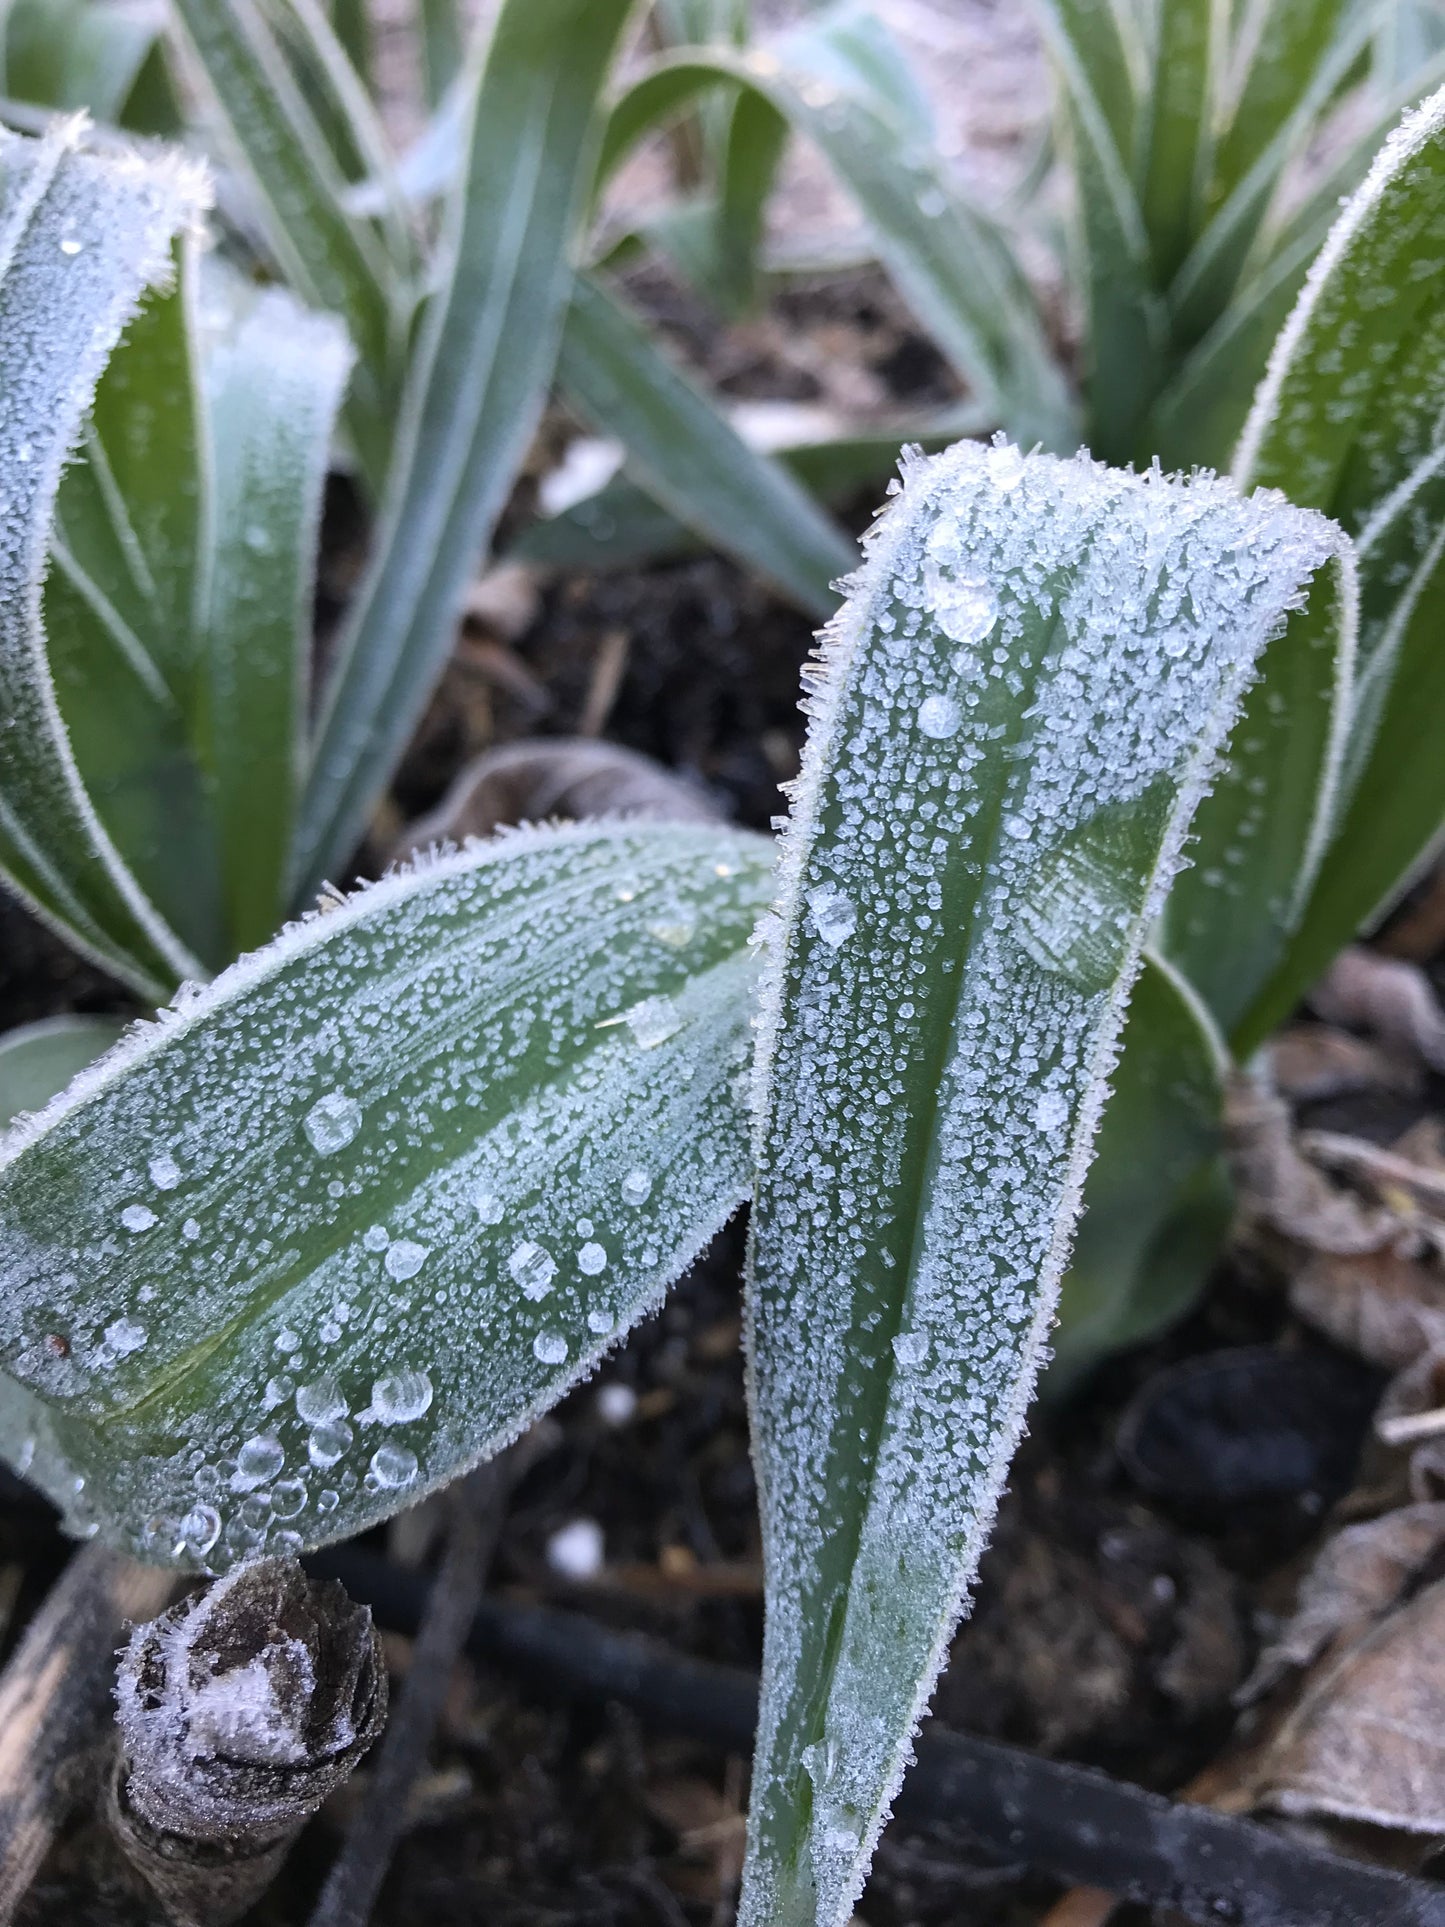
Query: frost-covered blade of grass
[
  {"x": 476, "y": 387},
  {"x": 179, "y": 606},
  {"x": 342, "y": 1223},
  {"x": 1349, "y": 418},
  {"x": 1156, "y": 1200},
  {"x": 1017, "y": 711},
  {"x": 274, "y": 386},
  {"x": 81, "y": 238},
  {"x": 690, "y": 457},
  {"x": 332, "y": 257}
]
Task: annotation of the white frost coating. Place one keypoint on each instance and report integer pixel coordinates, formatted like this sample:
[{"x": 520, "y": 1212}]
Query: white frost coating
[
  {"x": 461, "y": 1006},
  {"x": 60, "y": 317},
  {"x": 1409, "y": 139},
  {"x": 926, "y": 1093}
]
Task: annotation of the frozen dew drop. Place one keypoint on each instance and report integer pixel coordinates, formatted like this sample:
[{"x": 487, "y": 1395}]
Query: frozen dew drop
[
  {"x": 939, "y": 717},
  {"x": 327, "y": 1500},
  {"x": 329, "y": 1442},
  {"x": 489, "y": 1206},
  {"x": 286, "y": 1340},
  {"x": 400, "y": 1397},
  {"x": 591, "y": 1259},
  {"x": 964, "y": 606},
  {"x": 653, "y": 1021},
  {"x": 320, "y": 1401},
  {"x": 200, "y": 1529},
  {"x": 138, "y": 1217},
  {"x": 191, "y": 1230},
  {"x": 258, "y": 1460},
  {"x": 333, "y": 1121},
  {"x": 165, "y": 1173},
  {"x": 835, "y": 916},
  {"x": 636, "y": 1187},
  {"x": 405, "y": 1259},
  {"x": 550, "y": 1348},
  {"x": 393, "y": 1465},
  {"x": 376, "y": 1238},
  {"x": 600, "y": 1321},
  {"x": 578, "y": 1550},
  {"x": 1051, "y": 1111},
  {"x": 533, "y": 1268},
  {"x": 70, "y": 246},
  {"x": 288, "y": 1497},
  {"x": 125, "y": 1337}
]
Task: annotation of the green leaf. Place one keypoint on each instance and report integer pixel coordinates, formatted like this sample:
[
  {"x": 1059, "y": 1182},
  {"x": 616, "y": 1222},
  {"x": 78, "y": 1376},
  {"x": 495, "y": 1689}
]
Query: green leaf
[
  {"x": 38, "y": 1060},
  {"x": 689, "y": 457},
  {"x": 1206, "y": 280},
  {"x": 330, "y": 256},
  {"x": 72, "y": 54},
  {"x": 442, "y": 47},
  {"x": 1279, "y": 48},
  {"x": 1349, "y": 417},
  {"x": 1156, "y": 1202},
  {"x": 1126, "y": 322},
  {"x": 344, "y": 1222},
  {"x": 1174, "y": 163},
  {"x": 475, "y": 392},
  {"x": 80, "y": 240},
  {"x": 1017, "y": 711},
  {"x": 180, "y": 604},
  {"x": 951, "y": 262}
]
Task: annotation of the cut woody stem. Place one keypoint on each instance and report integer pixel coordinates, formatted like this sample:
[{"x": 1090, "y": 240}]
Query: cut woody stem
[{"x": 240, "y": 1711}]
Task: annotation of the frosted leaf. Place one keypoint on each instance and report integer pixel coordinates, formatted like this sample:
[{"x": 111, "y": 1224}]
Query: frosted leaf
[
  {"x": 333, "y": 1121},
  {"x": 400, "y": 1397},
  {"x": 138, "y": 1217},
  {"x": 393, "y": 1466},
  {"x": 81, "y": 238},
  {"x": 550, "y": 1347},
  {"x": 404, "y": 1259},
  {"x": 592, "y": 1259},
  {"x": 926, "y": 1093},
  {"x": 464, "y": 1007},
  {"x": 533, "y": 1267}
]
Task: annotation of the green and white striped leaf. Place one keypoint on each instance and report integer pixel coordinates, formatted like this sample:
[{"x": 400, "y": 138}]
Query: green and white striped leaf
[
  {"x": 332, "y": 257},
  {"x": 38, "y": 1060},
  {"x": 1349, "y": 418},
  {"x": 1178, "y": 124},
  {"x": 691, "y": 459},
  {"x": 1017, "y": 711},
  {"x": 81, "y": 238},
  {"x": 476, "y": 387},
  {"x": 342, "y": 1223},
  {"x": 1126, "y": 319},
  {"x": 179, "y": 606},
  {"x": 951, "y": 262}
]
